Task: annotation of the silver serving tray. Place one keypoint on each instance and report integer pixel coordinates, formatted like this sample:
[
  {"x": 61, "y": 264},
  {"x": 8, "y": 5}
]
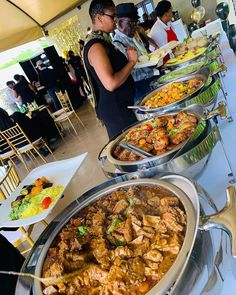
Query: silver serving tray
[
  {"x": 159, "y": 81},
  {"x": 198, "y": 146},
  {"x": 202, "y": 74},
  {"x": 185, "y": 63}
]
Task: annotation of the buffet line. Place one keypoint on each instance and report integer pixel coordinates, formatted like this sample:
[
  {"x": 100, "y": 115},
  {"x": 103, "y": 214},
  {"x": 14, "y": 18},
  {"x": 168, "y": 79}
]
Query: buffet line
[{"x": 146, "y": 229}]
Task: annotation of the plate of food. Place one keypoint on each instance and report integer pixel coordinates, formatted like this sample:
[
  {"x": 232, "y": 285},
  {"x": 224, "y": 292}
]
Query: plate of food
[
  {"x": 38, "y": 193},
  {"x": 153, "y": 59}
]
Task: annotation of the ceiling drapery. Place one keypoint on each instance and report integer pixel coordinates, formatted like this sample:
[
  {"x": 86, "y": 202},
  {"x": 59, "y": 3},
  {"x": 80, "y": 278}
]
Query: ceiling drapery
[{"x": 22, "y": 21}]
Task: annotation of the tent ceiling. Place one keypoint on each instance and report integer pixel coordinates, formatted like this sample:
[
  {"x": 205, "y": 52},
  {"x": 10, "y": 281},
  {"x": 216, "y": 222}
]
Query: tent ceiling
[{"x": 22, "y": 21}]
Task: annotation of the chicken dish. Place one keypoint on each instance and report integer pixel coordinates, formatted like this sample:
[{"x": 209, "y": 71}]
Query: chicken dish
[
  {"x": 173, "y": 92},
  {"x": 157, "y": 136},
  {"x": 122, "y": 244}
]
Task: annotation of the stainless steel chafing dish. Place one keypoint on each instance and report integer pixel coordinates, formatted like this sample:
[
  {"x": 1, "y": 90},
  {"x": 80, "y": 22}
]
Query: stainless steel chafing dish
[
  {"x": 202, "y": 74},
  {"x": 188, "y": 159},
  {"x": 192, "y": 260},
  {"x": 213, "y": 43},
  {"x": 214, "y": 66}
]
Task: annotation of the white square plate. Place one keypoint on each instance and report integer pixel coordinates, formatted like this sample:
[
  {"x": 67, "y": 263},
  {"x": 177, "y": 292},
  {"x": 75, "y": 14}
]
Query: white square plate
[{"x": 59, "y": 173}]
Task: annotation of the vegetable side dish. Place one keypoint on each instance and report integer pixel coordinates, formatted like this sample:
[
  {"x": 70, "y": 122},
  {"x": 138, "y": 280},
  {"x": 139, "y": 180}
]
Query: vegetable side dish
[
  {"x": 158, "y": 136},
  {"x": 173, "y": 92},
  {"x": 35, "y": 198},
  {"x": 122, "y": 244},
  {"x": 176, "y": 74}
]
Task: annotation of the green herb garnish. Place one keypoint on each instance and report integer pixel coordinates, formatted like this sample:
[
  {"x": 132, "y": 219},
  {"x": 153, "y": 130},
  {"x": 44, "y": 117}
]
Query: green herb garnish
[
  {"x": 173, "y": 131},
  {"x": 82, "y": 230},
  {"x": 115, "y": 222},
  {"x": 131, "y": 202},
  {"x": 118, "y": 243},
  {"x": 154, "y": 124}
]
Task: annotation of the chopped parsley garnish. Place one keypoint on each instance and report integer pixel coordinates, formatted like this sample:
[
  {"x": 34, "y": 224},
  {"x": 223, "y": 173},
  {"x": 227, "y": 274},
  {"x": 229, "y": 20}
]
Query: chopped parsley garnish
[{"x": 82, "y": 230}]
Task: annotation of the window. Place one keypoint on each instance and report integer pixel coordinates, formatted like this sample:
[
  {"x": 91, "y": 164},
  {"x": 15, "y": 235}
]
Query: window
[{"x": 145, "y": 6}]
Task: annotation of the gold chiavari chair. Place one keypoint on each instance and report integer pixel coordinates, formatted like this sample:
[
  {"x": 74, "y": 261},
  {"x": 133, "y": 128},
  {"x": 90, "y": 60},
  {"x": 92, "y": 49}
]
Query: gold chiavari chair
[
  {"x": 19, "y": 142},
  {"x": 8, "y": 153},
  {"x": 69, "y": 111},
  {"x": 7, "y": 185}
]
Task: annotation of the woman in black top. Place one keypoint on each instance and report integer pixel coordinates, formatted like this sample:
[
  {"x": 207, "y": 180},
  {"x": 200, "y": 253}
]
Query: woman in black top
[{"x": 109, "y": 70}]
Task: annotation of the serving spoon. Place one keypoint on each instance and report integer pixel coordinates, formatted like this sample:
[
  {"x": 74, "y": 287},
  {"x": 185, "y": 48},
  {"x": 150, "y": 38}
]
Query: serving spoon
[{"x": 46, "y": 281}]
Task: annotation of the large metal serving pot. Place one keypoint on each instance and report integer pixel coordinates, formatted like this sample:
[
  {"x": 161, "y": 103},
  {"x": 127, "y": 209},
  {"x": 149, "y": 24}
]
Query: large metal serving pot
[
  {"x": 142, "y": 111},
  {"x": 191, "y": 260},
  {"x": 178, "y": 160}
]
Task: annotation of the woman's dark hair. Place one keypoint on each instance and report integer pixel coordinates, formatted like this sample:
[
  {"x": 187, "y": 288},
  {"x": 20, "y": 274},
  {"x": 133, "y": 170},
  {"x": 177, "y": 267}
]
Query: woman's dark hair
[
  {"x": 99, "y": 7},
  {"x": 162, "y": 7},
  {"x": 17, "y": 77}
]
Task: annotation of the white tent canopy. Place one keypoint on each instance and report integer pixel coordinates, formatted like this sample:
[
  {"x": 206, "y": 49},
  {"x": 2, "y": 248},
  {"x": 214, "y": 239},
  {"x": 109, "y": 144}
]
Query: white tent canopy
[{"x": 23, "y": 21}]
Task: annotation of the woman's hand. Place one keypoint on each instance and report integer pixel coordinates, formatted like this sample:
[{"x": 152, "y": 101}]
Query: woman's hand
[{"x": 132, "y": 54}]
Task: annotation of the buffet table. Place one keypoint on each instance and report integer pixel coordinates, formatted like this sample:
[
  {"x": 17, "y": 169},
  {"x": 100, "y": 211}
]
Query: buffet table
[{"x": 214, "y": 179}]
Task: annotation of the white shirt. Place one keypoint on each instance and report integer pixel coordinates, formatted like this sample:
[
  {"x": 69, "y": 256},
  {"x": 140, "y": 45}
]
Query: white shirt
[
  {"x": 10, "y": 96},
  {"x": 158, "y": 32}
]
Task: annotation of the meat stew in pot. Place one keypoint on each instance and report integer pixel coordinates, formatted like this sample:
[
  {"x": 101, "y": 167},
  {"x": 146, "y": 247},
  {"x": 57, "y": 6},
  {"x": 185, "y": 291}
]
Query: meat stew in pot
[{"x": 124, "y": 243}]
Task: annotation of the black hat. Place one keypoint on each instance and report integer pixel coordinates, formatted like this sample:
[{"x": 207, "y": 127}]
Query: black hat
[{"x": 127, "y": 10}]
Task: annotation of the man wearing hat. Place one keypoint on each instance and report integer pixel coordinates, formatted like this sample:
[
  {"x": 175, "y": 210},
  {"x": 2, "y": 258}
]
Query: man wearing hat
[
  {"x": 47, "y": 78},
  {"x": 127, "y": 17}
]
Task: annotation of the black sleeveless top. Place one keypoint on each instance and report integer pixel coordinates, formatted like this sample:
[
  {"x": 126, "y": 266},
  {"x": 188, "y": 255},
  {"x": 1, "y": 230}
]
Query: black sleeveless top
[{"x": 112, "y": 106}]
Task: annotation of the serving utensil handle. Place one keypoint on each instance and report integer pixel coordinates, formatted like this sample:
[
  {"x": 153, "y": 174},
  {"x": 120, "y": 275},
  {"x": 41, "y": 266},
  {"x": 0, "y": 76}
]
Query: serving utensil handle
[
  {"x": 225, "y": 219},
  {"x": 220, "y": 110}
]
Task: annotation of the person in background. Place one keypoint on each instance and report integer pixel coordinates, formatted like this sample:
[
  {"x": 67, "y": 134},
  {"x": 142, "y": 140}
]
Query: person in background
[
  {"x": 149, "y": 44},
  {"x": 24, "y": 89},
  {"x": 10, "y": 260},
  {"x": 127, "y": 17},
  {"x": 81, "y": 47},
  {"x": 10, "y": 96},
  {"x": 147, "y": 23},
  {"x": 162, "y": 32},
  {"x": 47, "y": 78},
  {"x": 109, "y": 70},
  {"x": 75, "y": 62},
  {"x": 153, "y": 16}
]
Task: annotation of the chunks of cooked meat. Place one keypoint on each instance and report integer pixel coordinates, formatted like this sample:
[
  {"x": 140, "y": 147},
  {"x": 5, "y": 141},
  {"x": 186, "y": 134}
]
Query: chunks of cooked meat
[
  {"x": 124, "y": 243},
  {"x": 158, "y": 135}
]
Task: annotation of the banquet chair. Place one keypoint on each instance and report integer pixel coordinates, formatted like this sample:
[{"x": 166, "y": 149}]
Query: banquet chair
[
  {"x": 8, "y": 153},
  {"x": 7, "y": 185},
  {"x": 69, "y": 111},
  {"x": 22, "y": 145}
]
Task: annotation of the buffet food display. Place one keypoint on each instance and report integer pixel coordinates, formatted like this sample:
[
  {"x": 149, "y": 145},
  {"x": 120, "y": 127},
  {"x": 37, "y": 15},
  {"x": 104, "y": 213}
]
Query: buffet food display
[
  {"x": 173, "y": 92},
  {"x": 186, "y": 57},
  {"x": 124, "y": 243},
  {"x": 190, "y": 43},
  {"x": 136, "y": 236},
  {"x": 158, "y": 136}
]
